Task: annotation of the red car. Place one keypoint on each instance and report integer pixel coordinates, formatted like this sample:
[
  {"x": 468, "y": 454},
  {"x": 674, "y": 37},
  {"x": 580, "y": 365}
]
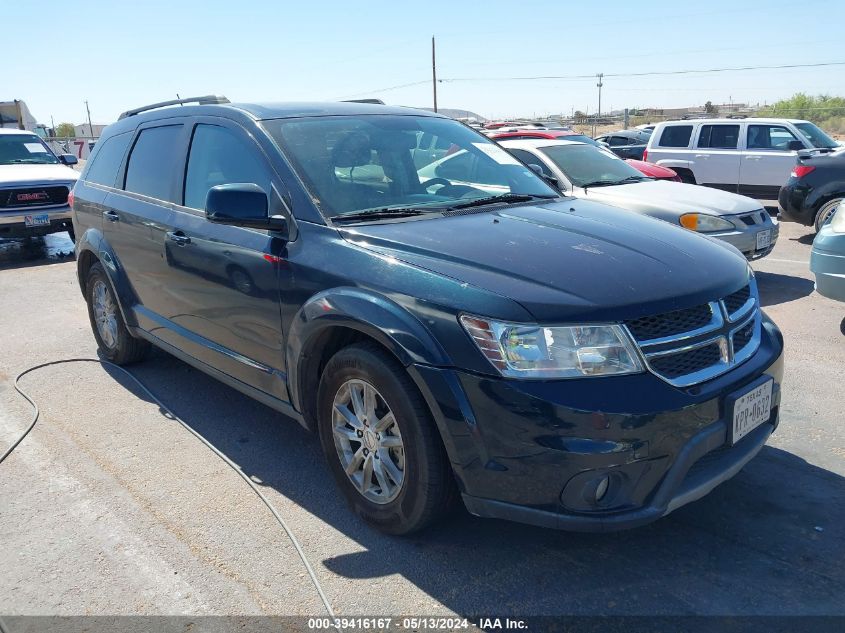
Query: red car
[{"x": 648, "y": 169}]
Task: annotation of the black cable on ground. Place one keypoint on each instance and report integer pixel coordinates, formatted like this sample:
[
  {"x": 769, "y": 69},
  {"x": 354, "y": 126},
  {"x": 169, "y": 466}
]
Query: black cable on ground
[{"x": 36, "y": 413}]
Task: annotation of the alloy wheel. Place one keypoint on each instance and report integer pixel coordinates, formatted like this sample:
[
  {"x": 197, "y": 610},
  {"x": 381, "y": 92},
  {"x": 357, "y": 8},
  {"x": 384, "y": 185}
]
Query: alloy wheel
[
  {"x": 368, "y": 441},
  {"x": 105, "y": 313}
]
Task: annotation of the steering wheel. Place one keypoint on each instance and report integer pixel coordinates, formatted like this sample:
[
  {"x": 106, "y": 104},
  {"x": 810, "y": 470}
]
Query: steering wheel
[{"x": 436, "y": 181}]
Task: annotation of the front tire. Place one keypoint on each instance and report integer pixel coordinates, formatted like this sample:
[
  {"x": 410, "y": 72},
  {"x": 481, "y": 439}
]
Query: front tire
[
  {"x": 825, "y": 212},
  {"x": 113, "y": 338},
  {"x": 382, "y": 446}
]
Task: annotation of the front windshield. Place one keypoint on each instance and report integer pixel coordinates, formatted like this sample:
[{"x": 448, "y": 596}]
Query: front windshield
[
  {"x": 359, "y": 163},
  {"x": 813, "y": 134},
  {"x": 584, "y": 164},
  {"x": 24, "y": 149}
]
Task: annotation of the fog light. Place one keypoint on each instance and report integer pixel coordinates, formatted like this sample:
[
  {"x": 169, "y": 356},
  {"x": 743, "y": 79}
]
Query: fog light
[{"x": 601, "y": 489}]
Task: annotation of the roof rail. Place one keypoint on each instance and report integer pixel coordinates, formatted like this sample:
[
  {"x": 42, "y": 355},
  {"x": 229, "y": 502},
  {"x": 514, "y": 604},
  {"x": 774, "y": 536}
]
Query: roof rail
[
  {"x": 374, "y": 101},
  {"x": 206, "y": 100}
]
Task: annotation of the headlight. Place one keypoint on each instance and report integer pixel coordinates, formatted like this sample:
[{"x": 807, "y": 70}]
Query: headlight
[
  {"x": 704, "y": 223},
  {"x": 573, "y": 351}
]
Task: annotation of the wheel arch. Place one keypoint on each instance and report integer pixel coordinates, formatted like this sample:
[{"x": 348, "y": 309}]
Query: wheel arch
[{"x": 333, "y": 319}]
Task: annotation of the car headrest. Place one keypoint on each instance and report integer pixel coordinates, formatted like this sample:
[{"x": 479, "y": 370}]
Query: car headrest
[{"x": 353, "y": 150}]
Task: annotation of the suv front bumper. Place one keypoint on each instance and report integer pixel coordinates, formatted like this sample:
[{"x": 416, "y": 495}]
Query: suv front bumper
[
  {"x": 13, "y": 222},
  {"x": 526, "y": 450}
]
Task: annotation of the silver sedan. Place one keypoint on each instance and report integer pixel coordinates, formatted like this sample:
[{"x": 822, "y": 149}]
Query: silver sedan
[{"x": 585, "y": 171}]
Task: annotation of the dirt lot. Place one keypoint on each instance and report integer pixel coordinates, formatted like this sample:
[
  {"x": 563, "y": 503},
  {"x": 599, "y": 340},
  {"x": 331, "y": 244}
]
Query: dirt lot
[{"x": 110, "y": 508}]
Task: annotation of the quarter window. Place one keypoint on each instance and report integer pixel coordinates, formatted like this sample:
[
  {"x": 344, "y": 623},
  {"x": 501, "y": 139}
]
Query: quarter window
[
  {"x": 103, "y": 167},
  {"x": 153, "y": 162},
  {"x": 219, "y": 157},
  {"x": 676, "y": 136},
  {"x": 719, "y": 136}
]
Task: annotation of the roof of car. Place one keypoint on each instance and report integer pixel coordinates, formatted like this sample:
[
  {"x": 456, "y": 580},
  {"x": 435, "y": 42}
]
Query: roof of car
[
  {"x": 10, "y": 130},
  {"x": 733, "y": 121},
  {"x": 537, "y": 143}
]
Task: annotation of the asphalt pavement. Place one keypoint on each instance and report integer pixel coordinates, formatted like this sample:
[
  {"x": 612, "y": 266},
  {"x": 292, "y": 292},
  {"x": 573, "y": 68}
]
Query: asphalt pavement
[{"x": 110, "y": 508}]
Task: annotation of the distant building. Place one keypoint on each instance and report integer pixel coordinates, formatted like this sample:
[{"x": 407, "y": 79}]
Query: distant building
[{"x": 83, "y": 129}]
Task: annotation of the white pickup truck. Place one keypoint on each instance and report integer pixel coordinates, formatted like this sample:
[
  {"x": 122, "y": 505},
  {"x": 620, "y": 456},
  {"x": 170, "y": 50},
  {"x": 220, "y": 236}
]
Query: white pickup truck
[
  {"x": 34, "y": 186},
  {"x": 752, "y": 157}
]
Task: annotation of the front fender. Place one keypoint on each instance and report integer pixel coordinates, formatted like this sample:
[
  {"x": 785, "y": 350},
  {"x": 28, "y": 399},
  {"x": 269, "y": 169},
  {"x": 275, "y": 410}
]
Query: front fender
[
  {"x": 94, "y": 243},
  {"x": 367, "y": 312}
]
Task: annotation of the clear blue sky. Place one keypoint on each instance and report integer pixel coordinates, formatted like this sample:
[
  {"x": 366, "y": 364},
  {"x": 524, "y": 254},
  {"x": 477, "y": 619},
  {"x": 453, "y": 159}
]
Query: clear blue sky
[{"x": 121, "y": 54}]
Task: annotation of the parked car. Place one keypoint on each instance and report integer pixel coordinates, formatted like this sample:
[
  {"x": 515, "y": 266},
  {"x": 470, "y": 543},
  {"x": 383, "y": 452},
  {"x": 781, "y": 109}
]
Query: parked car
[
  {"x": 653, "y": 171},
  {"x": 586, "y": 172},
  {"x": 752, "y": 157},
  {"x": 626, "y": 143},
  {"x": 34, "y": 186},
  {"x": 553, "y": 361},
  {"x": 815, "y": 187},
  {"x": 827, "y": 259}
]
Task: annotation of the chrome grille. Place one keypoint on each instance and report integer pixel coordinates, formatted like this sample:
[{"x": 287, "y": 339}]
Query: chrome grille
[
  {"x": 689, "y": 346},
  {"x": 33, "y": 196}
]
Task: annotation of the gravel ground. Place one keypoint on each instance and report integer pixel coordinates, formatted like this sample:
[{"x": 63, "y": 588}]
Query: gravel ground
[{"x": 110, "y": 508}]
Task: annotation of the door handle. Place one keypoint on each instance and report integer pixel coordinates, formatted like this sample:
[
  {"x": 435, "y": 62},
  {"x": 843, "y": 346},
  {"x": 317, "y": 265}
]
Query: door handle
[
  {"x": 753, "y": 157},
  {"x": 177, "y": 236},
  {"x": 704, "y": 156},
  {"x": 111, "y": 215}
]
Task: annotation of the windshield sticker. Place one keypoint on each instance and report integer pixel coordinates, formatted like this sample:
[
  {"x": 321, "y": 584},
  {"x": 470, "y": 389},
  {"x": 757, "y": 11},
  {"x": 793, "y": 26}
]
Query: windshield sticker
[
  {"x": 35, "y": 148},
  {"x": 497, "y": 153}
]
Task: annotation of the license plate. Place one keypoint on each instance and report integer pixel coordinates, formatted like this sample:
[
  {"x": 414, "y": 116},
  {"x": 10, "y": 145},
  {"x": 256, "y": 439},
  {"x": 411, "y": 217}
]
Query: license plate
[
  {"x": 37, "y": 220},
  {"x": 764, "y": 239},
  {"x": 751, "y": 410}
]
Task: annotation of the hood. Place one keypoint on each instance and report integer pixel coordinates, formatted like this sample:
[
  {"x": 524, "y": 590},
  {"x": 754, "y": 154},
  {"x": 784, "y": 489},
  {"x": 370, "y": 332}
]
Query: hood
[
  {"x": 565, "y": 261},
  {"x": 675, "y": 198},
  {"x": 23, "y": 174}
]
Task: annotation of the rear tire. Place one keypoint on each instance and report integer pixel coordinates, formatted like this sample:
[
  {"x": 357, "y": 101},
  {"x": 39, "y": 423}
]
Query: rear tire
[
  {"x": 825, "y": 212},
  {"x": 409, "y": 446},
  {"x": 685, "y": 175},
  {"x": 113, "y": 338}
]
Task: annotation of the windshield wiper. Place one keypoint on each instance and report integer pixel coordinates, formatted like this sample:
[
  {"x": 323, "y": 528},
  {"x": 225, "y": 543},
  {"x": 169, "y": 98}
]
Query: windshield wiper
[
  {"x": 600, "y": 183},
  {"x": 32, "y": 161},
  {"x": 380, "y": 214},
  {"x": 507, "y": 198}
]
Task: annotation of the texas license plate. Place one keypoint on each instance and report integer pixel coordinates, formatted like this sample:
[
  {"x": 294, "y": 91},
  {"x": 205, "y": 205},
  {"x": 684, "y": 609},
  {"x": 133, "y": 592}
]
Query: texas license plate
[
  {"x": 764, "y": 239},
  {"x": 751, "y": 410},
  {"x": 37, "y": 220}
]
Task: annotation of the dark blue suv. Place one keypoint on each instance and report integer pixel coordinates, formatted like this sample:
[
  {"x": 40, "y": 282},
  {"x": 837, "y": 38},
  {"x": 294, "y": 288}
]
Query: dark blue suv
[{"x": 435, "y": 311}]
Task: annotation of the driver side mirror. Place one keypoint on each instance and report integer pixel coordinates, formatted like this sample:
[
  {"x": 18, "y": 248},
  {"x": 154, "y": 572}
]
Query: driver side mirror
[
  {"x": 68, "y": 159},
  {"x": 547, "y": 177},
  {"x": 242, "y": 204},
  {"x": 795, "y": 146}
]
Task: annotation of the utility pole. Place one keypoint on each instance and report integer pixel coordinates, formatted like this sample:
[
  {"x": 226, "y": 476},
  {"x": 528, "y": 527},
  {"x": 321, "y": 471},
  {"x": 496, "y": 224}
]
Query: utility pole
[
  {"x": 434, "y": 73},
  {"x": 598, "y": 114},
  {"x": 90, "y": 127}
]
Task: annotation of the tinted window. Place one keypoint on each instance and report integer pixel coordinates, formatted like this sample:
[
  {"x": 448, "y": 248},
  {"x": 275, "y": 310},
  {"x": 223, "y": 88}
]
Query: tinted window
[
  {"x": 102, "y": 168},
  {"x": 676, "y": 136},
  {"x": 153, "y": 162},
  {"x": 775, "y": 137},
  {"x": 616, "y": 141},
  {"x": 815, "y": 135},
  {"x": 219, "y": 157},
  {"x": 719, "y": 136}
]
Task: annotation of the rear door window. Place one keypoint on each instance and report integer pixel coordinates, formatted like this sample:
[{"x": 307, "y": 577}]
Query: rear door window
[
  {"x": 530, "y": 159},
  {"x": 220, "y": 157},
  {"x": 676, "y": 136},
  {"x": 718, "y": 136},
  {"x": 102, "y": 169},
  {"x": 152, "y": 162}
]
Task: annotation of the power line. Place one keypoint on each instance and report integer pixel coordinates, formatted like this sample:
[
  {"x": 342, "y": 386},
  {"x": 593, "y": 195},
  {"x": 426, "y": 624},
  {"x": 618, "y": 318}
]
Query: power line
[{"x": 645, "y": 74}]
